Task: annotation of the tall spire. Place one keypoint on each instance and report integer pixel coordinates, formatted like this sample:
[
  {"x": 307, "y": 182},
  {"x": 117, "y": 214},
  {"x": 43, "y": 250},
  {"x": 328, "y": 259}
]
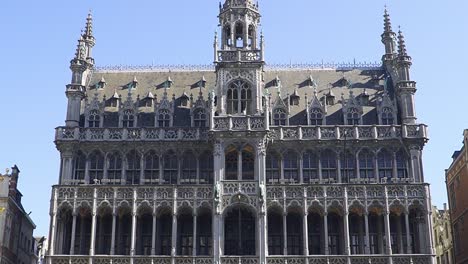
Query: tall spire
[
  {"x": 387, "y": 22},
  {"x": 401, "y": 44},
  {"x": 388, "y": 37},
  {"x": 88, "y": 32}
]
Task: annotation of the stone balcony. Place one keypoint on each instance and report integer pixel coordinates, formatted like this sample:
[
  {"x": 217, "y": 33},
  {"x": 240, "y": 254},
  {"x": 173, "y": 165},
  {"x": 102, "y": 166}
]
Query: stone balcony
[{"x": 355, "y": 259}]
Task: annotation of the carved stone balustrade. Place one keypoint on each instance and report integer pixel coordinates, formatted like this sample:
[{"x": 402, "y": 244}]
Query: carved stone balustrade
[
  {"x": 240, "y": 56},
  {"x": 348, "y": 132},
  {"x": 130, "y": 134},
  {"x": 239, "y": 123},
  {"x": 354, "y": 259}
]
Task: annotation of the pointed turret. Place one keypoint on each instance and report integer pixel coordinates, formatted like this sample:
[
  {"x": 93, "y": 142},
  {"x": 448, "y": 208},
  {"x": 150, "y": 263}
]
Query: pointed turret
[
  {"x": 388, "y": 38},
  {"x": 404, "y": 60}
]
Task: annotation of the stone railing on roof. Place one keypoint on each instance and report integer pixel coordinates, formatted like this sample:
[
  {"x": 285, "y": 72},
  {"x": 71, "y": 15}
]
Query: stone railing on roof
[
  {"x": 347, "y": 132},
  {"x": 239, "y": 123}
]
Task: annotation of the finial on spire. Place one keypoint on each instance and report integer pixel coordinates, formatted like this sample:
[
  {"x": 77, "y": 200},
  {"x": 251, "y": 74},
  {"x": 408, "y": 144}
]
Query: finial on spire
[
  {"x": 401, "y": 43},
  {"x": 88, "y": 32},
  {"x": 387, "y": 22}
]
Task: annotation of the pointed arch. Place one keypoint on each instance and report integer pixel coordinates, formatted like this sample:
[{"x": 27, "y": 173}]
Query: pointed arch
[
  {"x": 152, "y": 167},
  {"x": 96, "y": 166},
  {"x": 248, "y": 163},
  {"x": 231, "y": 163},
  {"x": 239, "y": 97}
]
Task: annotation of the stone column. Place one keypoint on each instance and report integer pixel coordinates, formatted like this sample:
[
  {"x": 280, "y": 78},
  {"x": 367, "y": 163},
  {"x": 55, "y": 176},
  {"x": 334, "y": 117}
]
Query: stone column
[
  {"x": 134, "y": 224},
  {"x": 388, "y": 239},
  {"x": 194, "y": 239},
  {"x": 153, "y": 235},
  {"x": 320, "y": 168},
  {"x": 408, "y": 234},
  {"x": 93, "y": 224},
  {"x": 338, "y": 169},
  {"x": 366, "y": 237},
  {"x": 239, "y": 165},
  {"x": 301, "y": 168},
  {"x": 305, "y": 233},
  {"x": 262, "y": 223},
  {"x": 86, "y": 179},
  {"x": 174, "y": 235},
  {"x": 73, "y": 234},
  {"x": 347, "y": 248},
  {"x": 114, "y": 222},
  {"x": 376, "y": 168},
  {"x": 399, "y": 235},
  {"x": 395, "y": 169},
  {"x": 285, "y": 233},
  {"x": 325, "y": 232},
  {"x": 218, "y": 163},
  {"x": 53, "y": 224}
]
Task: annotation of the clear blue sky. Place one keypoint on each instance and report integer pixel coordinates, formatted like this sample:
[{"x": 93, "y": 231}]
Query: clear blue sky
[{"x": 38, "y": 39}]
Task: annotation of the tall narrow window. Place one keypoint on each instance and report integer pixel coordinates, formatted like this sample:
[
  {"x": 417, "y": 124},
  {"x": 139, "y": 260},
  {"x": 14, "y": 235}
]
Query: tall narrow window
[
  {"x": 171, "y": 166},
  {"x": 310, "y": 167},
  {"x": 80, "y": 167},
  {"x": 316, "y": 117},
  {"x": 239, "y": 233},
  {"x": 206, "y": 168},
  {"x": 315, "y": 228},
  {"x": 275, "y": 232},
  {"x": 291, "y": 167},
  {"x": 94, "y": 119},
  {"x": 199, "y": 118},
  {"x": 387, "y": 116},
  {"x": 151, "y": 168},
  {"x": 239, "y": 98},
  {"x": 164, "y": 231},
  {"x": 185, "y": 234},
  {"x": 248, "y": 163},
  {"x": 353, "y": 116},
  {"x": 133, "y": 167},
  {"x": 385, "y": 161},
  {"x": 114, "y": 171},
  {"x": 328, "y": 161},
  {"x": 366, "y": 165},
  {"x": 279, "y": 117},
  {"x": 273, "y": 168},
  {"x": 252, "y": 34},
  {"x": 294, "y": 228},
  {"x": 335, "y": 231},
  {"x": 239, "y": 35},
  {"x": 164, "y": 118},
  {"x": 189, "y": 168},
  {"x": 401, "y": 162},
  {"x": 231, "y": 164},
  {"x": 348, "y": 167},
  {"x": 96, "y": 167},
  {"x": 128, "y": 118},
  {"x": 204, "y": 233}
]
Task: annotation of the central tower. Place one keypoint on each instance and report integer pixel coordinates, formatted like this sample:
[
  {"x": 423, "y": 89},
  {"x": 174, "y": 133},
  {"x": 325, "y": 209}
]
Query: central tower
[{"x": 239, "y": 59}]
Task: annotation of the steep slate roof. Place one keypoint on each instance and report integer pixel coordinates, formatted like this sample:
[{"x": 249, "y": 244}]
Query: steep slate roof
[{"x": 371, "y": 80}]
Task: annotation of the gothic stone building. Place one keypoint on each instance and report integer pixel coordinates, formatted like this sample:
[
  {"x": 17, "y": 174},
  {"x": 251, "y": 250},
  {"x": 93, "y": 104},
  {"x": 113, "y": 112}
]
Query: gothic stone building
[{"x": 242, "y": 162}]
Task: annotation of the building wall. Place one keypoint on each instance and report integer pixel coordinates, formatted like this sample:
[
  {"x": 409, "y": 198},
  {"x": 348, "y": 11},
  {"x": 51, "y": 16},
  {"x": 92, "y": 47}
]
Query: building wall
[
  {"x": 443, "y": 242},
  {"x": 457, "y": 184}
]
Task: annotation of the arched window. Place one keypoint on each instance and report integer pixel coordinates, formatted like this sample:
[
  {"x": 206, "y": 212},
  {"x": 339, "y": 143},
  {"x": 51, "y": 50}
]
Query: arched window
[
  {"x": 144, "y": 233},
  {"x": 171, "y": 166},
  {"x": 279, "y": 117},
  {"x": 385, "y": 162},
  {"x": 151, "y": 168},
  {"x": 189, "y": 168},
  {"x": 96, "y": 167},
  {"x": 387, "y": 116},
  {"x": 232, "y": 164},
  {"x": 316, "y": 117},
  {"x": 335, "y": 234},
  {"x": 348, "y": 167},
  {"x": 199, "y": 118},
  {"x": 239, "y": 98},
  {"x": 353, "y": 116},
  {"x": 79, "y": 168},
  {"x": 206, "y": 168},
  {"x": 164, "y": 232},
  {"x": 184, "y": 234},
  {"x": 227, "y": 36},
  {"x": 273, "y": 168},
  {"x": 275, "y": 232},
  {"x": 294, "y": 230},
  {"x": 248, "y": 163},
  {"x": 204, "y": 233},
  {"x": 103, "y": 231},
  {"x": 401, "y": 162},
  {"x": 239, "y": 232},
  {"x": 366, "y": 165},
  {"x": 239, "y": 35},
  {"x": 128, "y": 119},
  {"x": 83, "y": 231},
  {"x": 94, "y": 119},
  {"x": 356, "y": 233},
  {"x": 310, "y": 167},
  {"x": 315, "y": 228},
  {"x": 114, "y": 169},
  {"x": 328, "y": 161},
  {"x": 376, "y": 232},
  {"x": 252, "y": 35},
  {"x": 133, "y": 167},
  {"x": 291, "y": 167},
  {"x": 164, "y": 118}
]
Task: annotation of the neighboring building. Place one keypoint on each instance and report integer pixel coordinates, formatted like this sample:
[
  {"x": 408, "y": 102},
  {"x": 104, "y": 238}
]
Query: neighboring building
[
  {"x": 263, "y": 164},
  {"x": 16, "y": 227},
  {"x": 41, "y": 249},
  {"x": 443, "y": 242},
  {"x": 456, "y": 177}
]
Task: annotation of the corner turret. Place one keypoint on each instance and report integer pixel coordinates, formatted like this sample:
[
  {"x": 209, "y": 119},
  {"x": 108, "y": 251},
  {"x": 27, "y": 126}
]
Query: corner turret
[{"x": 388, "y": 39}]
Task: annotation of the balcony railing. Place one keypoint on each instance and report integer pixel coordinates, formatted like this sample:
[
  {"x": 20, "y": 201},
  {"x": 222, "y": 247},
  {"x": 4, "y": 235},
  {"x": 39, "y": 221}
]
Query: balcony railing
[
  {"x": 356, "y": 259},
  {"x": 239, "y": 123},
  {"x": 347, "y": 132},
  {"x": 130, "y": 134},
  {"x": 240, "y": 56}
]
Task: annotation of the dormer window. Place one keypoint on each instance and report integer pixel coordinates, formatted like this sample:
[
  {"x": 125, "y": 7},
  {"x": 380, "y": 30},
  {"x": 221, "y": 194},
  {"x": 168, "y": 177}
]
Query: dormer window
[
  {"x": 128, "y": 119},
  {"x": 113, "y": 102},
  {"x": 353, "y": 116},
  {"x": 279, "y": 117},
  {"x": 294, "y": 100},
  {"x": 184, "y": 100},
  {"x": 147, "y": 102},
  {"x": 199, "y": 118},
  {"x": 101, "y": 84},
  {"x": 316, "y": 117},
  {"x": 94, "y": 119},
  {"x": 330, "y": 100},
  {"x": 164, "y": 118}
]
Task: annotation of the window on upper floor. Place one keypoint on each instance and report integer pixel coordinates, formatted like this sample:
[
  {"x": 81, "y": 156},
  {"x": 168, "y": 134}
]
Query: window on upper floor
[
  {"x": 348, "y": 167},
  {"x": 453, "y": 200},
  {"x": 128, "y": 119},
  {"x": 366, "y": 165},
  {"x": 328, "y": 161},
  {"x": 231, "y": 163},
  {"x": 353, "y": 116},
  {"x": 164, "y": 118},
  {"x": 79, "y": 168},
  {"x": 291, "y": 167},
  {"x": 114, "y": 169},
  {"x": 206, "y": 168},
  {"x": 96, "y": 167},
  {"x": 189, "y": 168},
  {"x": 402, "y": 164},
  {"x": 151, "y": 167},
  {"x": 199, "y": 118},
  {"x": 294, "y": 100},
  {"x": 248, "y": 163},
  {"x": 94, "y": 119},
  {"x": 133, "y": 169},
  {"x": 239, "y": 35},
  {"x": 387, "y": 116},
  {"x": 239, "y": 98},
  {"x": 273, "y": 167},
  {"x": 385, "y": 163},
  {"x": 310, "y": 167},
  {"x": 171, "y": 168},
  {"x": 279, "y": 117},
  {"x": 316, "y": 117}
]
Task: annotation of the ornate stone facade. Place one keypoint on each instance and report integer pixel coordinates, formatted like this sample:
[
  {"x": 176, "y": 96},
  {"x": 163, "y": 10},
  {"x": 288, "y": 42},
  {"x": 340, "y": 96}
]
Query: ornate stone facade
[{"x": 265, "y": 165}]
